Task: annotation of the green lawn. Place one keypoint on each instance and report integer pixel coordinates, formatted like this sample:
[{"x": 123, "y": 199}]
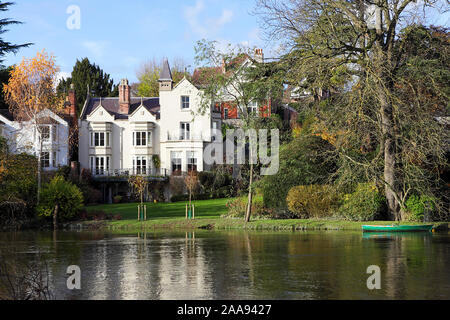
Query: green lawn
[
  {"x": 158, "y": 213},
  {"x": 207, "y": 214}
]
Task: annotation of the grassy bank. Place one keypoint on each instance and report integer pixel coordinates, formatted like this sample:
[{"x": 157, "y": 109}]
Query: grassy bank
[{"x": 207, "y": 214}]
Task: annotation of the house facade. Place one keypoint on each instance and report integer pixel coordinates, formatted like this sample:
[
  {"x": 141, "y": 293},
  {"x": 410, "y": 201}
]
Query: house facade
[
  {"x": 155, "y": 136},
  {"x": 25, "y": 137},
  {"x": 229, "y": 110}
]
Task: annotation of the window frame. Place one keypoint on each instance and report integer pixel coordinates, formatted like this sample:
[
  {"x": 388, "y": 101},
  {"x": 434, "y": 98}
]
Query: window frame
[
  {"x": 47, "y": 138},
  {"x": 45, "y": 160},
  {"x": 184, "y": 102},
  {"x": 185, "y": 133}
]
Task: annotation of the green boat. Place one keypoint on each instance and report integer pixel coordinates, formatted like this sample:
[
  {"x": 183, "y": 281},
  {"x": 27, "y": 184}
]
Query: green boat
[{"x": 397, "y": 228}]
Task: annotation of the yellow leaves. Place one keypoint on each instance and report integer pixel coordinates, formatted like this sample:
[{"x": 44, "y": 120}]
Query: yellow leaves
[{"x": 31, "y": 87}]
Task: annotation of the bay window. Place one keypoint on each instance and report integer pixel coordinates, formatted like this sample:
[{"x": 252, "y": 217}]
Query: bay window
[
  {"x": 100, "y": 139},
  {"x": 142, "y": 138},
  {"x": 140, "y": 165},
  {"x": 100, "y": 165}
]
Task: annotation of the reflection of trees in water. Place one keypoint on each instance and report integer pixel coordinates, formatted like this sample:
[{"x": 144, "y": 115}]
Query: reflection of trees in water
[{"x": 243, "y": 265}]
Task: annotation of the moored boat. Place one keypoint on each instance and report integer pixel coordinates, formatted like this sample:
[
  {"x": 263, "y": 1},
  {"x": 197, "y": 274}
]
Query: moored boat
[{"x": 397, "y": 228}]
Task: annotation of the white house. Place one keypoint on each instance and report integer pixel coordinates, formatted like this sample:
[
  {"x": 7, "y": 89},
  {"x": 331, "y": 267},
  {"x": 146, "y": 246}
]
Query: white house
[
  {"x": 23, "y": 137},
  {"x": 129, "y": 135}
]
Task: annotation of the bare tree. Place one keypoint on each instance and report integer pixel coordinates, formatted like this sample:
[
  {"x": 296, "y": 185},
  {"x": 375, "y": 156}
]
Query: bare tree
[{"x": 360, "y": 39}]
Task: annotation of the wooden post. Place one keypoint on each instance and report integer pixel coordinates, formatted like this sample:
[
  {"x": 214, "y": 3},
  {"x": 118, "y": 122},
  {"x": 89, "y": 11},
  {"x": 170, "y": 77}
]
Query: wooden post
[
  {"x": 186, "y": 211},
  {"x": 145, "y": 212}
]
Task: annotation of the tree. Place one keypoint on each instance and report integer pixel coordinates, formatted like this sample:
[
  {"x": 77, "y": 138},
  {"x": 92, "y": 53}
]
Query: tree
[
  {"x": 138, "y": 185},
  {"x": 29, "y": 92},
  {"x": 191, "y": 182},
  {"x": 87, "y": 76},
  {"x": 17, "y": 185},
  {"x": 5, "y": 74},
  {"x": 60, "y": 198},
  {"x": 306, "y": 160},
  {"x": 374, "y": 124},
  {"x": 5, "y": 46},
  {"x": 148, "y": 76},
  {"x": 223, "y": 80}
]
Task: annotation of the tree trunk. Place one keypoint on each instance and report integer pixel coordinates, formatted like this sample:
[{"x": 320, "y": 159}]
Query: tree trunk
[
  {"x": 55, "y": 214},
  {"x": 39, "y": 170},
  {"x": 390, "y": 178},
  {"x": 250, "y": 194},
  {"x": 383, "y": 69}
]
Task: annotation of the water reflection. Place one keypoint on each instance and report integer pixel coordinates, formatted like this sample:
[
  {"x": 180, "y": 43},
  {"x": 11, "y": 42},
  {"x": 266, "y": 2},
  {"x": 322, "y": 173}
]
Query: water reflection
[{"x": 241, "y": 265}]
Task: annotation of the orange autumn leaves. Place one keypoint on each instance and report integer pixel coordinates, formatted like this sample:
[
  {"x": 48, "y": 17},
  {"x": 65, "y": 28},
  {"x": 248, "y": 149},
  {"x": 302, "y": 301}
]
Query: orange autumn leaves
[{"x": 31, "y": 87}]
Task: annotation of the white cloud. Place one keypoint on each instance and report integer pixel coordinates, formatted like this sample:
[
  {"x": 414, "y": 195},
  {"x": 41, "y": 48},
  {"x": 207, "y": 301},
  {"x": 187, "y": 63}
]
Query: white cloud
[
  {"x": 96, "y": 48},
  {"x": 205, "y": 27}
]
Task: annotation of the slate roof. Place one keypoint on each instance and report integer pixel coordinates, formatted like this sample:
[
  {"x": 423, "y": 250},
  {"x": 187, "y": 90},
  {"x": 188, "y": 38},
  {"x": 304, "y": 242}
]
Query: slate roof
[
  {"x": 166, "y": 74},
  {"x": 7, "y": 114},
  {"x": 112, "y": 106}
]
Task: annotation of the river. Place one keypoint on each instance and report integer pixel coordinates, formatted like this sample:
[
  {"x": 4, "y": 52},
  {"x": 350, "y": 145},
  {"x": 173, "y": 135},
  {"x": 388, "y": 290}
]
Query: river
[{"x": 238, "y": 265}]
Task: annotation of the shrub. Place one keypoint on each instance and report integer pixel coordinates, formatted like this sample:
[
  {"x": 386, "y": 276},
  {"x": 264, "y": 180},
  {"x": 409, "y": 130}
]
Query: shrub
[
  {"x": 366, "y": 203},
  {"x": 117, "y": 199},
  {"x": 416, "y": 206},
  {"x": 312, "y": 201},
  {"x": 238, "y": 206},
  {"x": 90, "y": 194},
  {"x": 304, "y": 161},
  {"x": 64, "y": 171},
  {"x": 63, "y": 195}
]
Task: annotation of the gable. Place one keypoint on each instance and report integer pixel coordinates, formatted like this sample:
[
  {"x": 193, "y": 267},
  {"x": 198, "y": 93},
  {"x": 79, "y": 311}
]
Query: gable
[
  {"x": 141, "y": 114},
  {"x": 100, "y": 114},
  {"x": 185, "y": 87}
]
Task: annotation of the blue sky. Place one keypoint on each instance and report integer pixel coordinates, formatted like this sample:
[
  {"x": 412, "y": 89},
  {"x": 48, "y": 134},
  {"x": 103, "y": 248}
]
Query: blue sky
[{"x": 121, "y": 35}]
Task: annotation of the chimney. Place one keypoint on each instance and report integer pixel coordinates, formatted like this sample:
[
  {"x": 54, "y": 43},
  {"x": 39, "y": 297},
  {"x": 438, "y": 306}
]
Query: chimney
[
  {"x": 72, "y": 102},
  {"x": 124, "y": 97},
  {"x": 259, "y": 55}
]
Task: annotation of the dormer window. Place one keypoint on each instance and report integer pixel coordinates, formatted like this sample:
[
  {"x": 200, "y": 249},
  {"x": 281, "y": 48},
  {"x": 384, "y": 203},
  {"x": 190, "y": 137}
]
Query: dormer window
[{"x": 184, "y": 102}]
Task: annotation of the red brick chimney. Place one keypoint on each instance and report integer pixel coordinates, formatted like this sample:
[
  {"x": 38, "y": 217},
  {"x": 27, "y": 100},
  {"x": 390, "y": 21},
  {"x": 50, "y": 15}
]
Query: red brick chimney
[
  {"x": 124, "y": 96},
  {"x": 72, "y": 102},
  {"x": 259, "y": 55}
]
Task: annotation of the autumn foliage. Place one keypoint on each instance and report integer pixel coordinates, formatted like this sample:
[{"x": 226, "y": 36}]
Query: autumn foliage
[{"x": 31, "y": 88}]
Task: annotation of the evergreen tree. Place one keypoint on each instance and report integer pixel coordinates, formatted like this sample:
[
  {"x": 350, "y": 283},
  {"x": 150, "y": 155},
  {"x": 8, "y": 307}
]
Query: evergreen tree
[
  {"x": 5, "y": 46},
  {"x": 86, "y": 75}
]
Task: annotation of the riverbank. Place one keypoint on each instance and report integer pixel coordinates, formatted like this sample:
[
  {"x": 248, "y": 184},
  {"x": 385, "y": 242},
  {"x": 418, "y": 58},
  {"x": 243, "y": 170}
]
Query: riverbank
[{"x": 208, "y": 213}]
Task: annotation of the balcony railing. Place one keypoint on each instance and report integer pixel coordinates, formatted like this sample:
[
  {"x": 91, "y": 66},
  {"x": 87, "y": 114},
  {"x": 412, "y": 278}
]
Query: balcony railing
[
  {"x": 123, "y": 174},
  {"x": 188, "y": 137}
]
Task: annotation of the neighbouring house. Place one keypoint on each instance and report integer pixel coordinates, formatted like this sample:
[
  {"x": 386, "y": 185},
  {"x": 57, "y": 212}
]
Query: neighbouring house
[
  {"x": 22, "y": 137},
  {"x": 154, "y": 136},
  {"x": 229, "y": 111}
]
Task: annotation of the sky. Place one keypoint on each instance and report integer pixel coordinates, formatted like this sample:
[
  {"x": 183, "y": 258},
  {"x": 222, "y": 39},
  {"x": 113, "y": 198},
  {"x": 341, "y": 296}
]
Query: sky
[{"x": 121, "y": 35}]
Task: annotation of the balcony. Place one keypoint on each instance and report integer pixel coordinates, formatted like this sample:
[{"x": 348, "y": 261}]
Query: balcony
[
  {"x": 192, "y": 137},
  {"x": 120, "y": 175}
]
